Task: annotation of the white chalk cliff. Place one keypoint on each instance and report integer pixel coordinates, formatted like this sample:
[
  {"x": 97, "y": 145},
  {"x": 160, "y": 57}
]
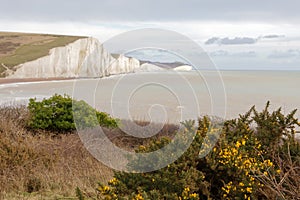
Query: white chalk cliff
[
  {"x": 147, "y": 67},
  {"x": 183, "y": 68},
  {"x": 83, "y": 58}
]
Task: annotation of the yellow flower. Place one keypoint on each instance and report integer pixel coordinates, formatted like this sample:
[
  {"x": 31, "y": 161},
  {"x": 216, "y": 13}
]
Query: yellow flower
[
  {"x": 243, "y": 142},
  {"x": 238, "y": 144},
  {"x": 266, "y": 173},
  {"x": 104, "y": 189},
  {"x": 241, "y": 184},
  {"x": 268, "y": 163},
  {"x": 278, "y": 171},
  {"x": 194, "y": 195},
  {"x": 248, "y": 189},
  {"x": 142, "y": 147},
  {"x": 139, "y": 197},
  {"x": 113, "y": 181}
]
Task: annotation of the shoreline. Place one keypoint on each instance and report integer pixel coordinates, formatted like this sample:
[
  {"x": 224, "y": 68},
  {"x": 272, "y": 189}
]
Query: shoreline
[{"x": 24, "y": 80}]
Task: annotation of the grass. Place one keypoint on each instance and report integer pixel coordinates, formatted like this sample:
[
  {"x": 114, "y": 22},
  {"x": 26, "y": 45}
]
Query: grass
[
  {"x": 48, "y": 165},
  {"x": 28, "y": 52},
  {"x": 2, "y": 69},
  {"x": 34, "y": 164}
]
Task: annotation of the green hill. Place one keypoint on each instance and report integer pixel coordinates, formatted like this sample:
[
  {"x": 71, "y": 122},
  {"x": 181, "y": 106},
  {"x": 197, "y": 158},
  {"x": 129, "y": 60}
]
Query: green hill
[{"x": 17, "y": 48}]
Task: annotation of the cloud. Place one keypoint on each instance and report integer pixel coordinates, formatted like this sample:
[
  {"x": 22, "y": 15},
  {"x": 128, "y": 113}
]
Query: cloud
[
  {"x": 291, "y": 53},
  {"x": 272, "y": 36},
  {"x": 150, "y": 10},
  {"x": 240, "y": 40},
  {"x": 212, "y": 40},
  {"x": 242, "y": 54},
  {"x": 247, "y": 54},
  {"x": 229, "y": 41},
  {"x": 219, "y": 53}
]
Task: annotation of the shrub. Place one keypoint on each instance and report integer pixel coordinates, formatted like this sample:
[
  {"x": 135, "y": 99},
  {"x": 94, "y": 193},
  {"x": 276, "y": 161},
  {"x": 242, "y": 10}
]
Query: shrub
[
  {"x": 246, "y": 163},
  {"x": 179, "y": 180},
  {"x": 56, "y": 113}
]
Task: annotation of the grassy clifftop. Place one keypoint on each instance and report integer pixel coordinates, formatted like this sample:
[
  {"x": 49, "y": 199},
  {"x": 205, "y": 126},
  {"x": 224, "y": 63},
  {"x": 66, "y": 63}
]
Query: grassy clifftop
[{"x": 17, "y": 48}]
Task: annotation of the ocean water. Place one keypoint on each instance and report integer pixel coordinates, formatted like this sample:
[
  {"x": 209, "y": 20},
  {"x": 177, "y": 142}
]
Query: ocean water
[{"x": 171, "y": 96}]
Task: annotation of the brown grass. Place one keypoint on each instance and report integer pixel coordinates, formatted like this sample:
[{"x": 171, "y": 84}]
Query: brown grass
[
  {"x": 9, "y": 41},
  {"x": 47, "y": 165},
  {"x": 41, "y": 164}
]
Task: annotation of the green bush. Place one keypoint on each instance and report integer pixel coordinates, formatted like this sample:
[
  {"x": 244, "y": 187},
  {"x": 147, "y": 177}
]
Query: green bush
[
  {"x": 246, "y": 163},
  {"x": 58, "y": 112}
]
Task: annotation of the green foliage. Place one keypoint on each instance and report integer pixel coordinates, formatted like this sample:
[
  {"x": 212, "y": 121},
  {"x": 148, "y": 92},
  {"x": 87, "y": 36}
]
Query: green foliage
[
  {"x": 58, "y": 113},
  {"x": 246, "y": 163},
  {"x": 79, "y": 194},
  {"x": 179, "y": 180},
  {"x": 276, "y": 129},
  {"x": 107, "y": 121}
]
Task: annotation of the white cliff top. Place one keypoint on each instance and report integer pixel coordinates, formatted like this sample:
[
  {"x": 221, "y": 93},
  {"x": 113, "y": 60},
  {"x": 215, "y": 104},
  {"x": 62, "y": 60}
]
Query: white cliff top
[{"x": 183, "y": 68}]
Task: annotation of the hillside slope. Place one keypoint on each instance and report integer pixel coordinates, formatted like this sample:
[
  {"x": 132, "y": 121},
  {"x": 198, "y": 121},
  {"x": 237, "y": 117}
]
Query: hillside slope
[
  {"x": 44, "y": 56},
  {"x": 18, "y": 48}
]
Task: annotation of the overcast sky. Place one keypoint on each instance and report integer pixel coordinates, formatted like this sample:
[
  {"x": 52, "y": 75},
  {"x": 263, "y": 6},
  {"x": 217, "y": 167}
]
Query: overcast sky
[{"x": 236, "y": 34}]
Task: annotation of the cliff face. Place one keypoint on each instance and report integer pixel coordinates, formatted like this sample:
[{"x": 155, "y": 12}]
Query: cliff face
[{"x": 83, "y": 58}]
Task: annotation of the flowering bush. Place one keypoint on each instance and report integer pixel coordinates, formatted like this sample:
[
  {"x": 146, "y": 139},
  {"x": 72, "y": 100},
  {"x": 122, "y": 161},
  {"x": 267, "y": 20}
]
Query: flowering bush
[{"x": 245, "y": 163}]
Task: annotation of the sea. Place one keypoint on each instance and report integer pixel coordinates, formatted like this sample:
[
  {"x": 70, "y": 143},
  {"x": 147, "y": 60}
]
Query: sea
[{"x": 170, "y": 96}]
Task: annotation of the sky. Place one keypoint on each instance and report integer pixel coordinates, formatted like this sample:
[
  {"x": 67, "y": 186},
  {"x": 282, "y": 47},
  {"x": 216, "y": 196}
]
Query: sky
[{"x": 235, "y": 34}]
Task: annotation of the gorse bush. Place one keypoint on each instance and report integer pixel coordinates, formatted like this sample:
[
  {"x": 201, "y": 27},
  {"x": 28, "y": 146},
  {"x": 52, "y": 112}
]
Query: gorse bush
[
  {"x": 58, "y": 113},
  {"x": 256, "y": 157},
  {"x": 178, "y": 180}
]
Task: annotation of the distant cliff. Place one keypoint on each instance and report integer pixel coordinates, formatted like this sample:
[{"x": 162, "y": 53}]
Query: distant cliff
[{"x": 85, "y": 57}]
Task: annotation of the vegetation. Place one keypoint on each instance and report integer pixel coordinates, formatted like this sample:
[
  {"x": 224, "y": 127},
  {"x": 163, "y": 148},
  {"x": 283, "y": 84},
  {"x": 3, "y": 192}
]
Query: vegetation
[
  {"x": 261, "y": 162},
  {"x": 18, "y": 48},
  {"x": 2, "y": 69},
  {"x": 41, "y": 164},
  {"x": 34, "y": 51},
  {"x": 56, "y": 113},
  {"x": 256, "y": 157}
]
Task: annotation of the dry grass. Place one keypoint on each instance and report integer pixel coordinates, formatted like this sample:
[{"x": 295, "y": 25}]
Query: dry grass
[
  {"x": 47, "y": 165},
  {"x": 36, "y": 164}
]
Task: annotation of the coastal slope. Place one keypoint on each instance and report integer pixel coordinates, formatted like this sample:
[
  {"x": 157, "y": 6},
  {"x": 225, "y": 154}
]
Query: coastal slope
[
  {"x": 25, "y": 55},
  {"x": 85, "y": 57}
]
